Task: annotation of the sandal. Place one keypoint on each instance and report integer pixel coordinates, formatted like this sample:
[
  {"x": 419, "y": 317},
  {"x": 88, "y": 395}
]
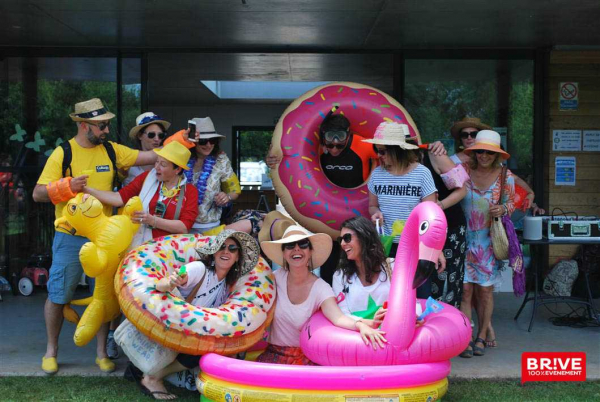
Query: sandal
[
  {"x": 477, "y": 351},
  {"x": 491, "y": 343},
  {"x": 468, "y": 353}
]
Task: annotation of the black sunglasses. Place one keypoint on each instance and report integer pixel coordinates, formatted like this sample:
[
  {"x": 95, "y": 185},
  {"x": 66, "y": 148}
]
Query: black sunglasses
[
  {"x": 160, "y": 209},
  {"x": 205, "y": 141},
  {"x": 101, "y": 126},
  {"x": 152, "y": 134},
  {"x": 483, "y": 151},
  {"x": 338, "y": 146},
  {"x": 232, "y": 247},
  {"x": 472, "y": 134},
  {"x": 379, "y": 151},
  {"x": 346, "y": 238},
  {"x": 303, "y": 244}
]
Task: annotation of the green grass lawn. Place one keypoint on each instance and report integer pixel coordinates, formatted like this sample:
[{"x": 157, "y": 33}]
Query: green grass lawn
[{"x": 117, "y": 389}]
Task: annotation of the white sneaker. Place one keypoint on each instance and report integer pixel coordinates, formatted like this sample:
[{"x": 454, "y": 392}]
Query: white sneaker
[{"x": 112, "y": 350}]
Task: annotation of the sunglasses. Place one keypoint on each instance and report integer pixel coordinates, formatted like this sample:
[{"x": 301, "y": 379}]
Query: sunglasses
[
  {"x": 101, "y": 126},
  {"x": 483, "y": 151},
  {"x": 303, "y": 244},
  {"x": 472, "y": 134},
  {"x": 160, "y": 209},
  {"x": 338, "y": 146},
  {"x": 232, "y": 247},
  {"x": 205, "y": 141},
  {"x": 339, "y": 136},
  {"x": 379, "y": 151},
  {"x": 347, "y": 238},
  {"x": 152, "y": 134}
]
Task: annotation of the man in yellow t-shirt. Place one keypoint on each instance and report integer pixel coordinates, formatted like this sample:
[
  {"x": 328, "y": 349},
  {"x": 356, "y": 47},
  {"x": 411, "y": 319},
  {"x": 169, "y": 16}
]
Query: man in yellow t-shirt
[{"x": 90, "y": 165}]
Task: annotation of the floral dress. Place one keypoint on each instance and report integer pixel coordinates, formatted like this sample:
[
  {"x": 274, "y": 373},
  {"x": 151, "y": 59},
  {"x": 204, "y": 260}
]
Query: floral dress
[{"x": 481, "y": 266}]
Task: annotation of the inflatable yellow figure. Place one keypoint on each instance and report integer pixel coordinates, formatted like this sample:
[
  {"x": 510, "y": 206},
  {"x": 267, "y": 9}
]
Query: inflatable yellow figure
[{"x": 109, "y": 240}]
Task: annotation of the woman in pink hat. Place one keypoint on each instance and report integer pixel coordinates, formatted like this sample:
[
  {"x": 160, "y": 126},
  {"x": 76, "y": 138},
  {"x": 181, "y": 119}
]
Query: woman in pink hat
[{"x": 482, "y": 203}]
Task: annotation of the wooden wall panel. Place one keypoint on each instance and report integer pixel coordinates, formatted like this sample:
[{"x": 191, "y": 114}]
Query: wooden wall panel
[{"x": 583, "y": 198}]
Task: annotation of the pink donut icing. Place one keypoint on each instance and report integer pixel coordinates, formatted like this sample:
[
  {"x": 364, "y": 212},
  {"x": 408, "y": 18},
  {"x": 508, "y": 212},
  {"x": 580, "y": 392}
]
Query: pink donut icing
[{"x": 307, "y": 193}]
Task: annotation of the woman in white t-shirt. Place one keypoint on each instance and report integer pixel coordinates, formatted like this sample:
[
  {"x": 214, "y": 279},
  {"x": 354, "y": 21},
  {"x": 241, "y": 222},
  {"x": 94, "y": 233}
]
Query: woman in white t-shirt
[
  {"x": 363, "y": 278},
  {"x": 223, "y": 260},
  {"x": 300, "y": 294}
]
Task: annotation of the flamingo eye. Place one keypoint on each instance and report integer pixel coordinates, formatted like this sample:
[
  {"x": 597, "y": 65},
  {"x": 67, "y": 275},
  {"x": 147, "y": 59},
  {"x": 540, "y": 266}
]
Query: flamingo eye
[{"x": 423, "y": 228}]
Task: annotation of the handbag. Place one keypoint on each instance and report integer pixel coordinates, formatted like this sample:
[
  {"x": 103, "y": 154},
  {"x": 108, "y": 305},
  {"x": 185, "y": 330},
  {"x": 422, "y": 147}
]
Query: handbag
[
  {"x": 146, "y": 354},
  {"x": 497, "y": 229}
]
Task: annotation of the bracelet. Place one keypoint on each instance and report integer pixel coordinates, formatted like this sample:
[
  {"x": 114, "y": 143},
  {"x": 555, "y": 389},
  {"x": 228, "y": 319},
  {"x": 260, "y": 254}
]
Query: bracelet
[
  {"x": 505, "y": 209},
  {"x": 356, "y": 323}
]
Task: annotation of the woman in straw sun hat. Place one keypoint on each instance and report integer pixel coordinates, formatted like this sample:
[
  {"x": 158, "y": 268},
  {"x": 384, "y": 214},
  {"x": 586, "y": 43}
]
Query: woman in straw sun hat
[
  {"x": 223, "y": 260},
  {"x": 300, "y": 294},
  {"x": 170, "y": 203},
  {"x": 149, "y": 132},
  {"x": 399, "y": 183},
  {"x": 482, "y": 203},
  {"x": 464, "y": 133},
  {"x": 211, "y": 173}
]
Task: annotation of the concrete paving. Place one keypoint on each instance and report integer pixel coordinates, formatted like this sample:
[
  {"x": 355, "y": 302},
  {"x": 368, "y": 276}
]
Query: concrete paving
[{"x": 23, "y": 341}]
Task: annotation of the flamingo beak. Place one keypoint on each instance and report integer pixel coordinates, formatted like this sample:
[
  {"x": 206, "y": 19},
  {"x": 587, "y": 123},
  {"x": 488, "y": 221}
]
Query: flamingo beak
[{"x": 424, "y": 269}]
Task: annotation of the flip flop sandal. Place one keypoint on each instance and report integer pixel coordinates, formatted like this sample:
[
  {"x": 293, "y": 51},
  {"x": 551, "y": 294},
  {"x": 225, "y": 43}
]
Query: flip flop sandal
[
  {"x": 477, "y": 351},
  {"x": 491, "y": 343},
  {"x": 153, "y": 394},
  {"x": 467, "y": 354}
]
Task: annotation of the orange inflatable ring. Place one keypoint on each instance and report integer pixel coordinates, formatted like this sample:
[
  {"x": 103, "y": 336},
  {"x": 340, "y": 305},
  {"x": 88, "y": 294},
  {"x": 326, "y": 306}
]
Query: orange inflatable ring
[
  {"x": 233, "y": 327},
  {"x": 305, "y": 192}
]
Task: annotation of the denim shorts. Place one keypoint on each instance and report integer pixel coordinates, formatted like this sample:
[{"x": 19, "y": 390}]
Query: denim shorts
[{"x": 66, "y": 269}]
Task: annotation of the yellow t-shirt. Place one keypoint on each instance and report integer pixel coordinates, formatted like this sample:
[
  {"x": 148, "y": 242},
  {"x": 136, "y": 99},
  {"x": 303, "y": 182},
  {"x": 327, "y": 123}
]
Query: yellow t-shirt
[{"x": 95, "y": 159}]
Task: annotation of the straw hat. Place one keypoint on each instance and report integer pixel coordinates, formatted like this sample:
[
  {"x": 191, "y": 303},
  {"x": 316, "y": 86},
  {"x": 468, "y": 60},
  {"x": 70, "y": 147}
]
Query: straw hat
[
  {"x": 145, "y": 119},
  {"x": 206, "y": 128},
  {"x": 176, "y": 153},
  {"x": 249, "y": 252},
  {"x": 488, "y": 140},
  {"x": 467, "y": 122},
  {"x": 391, "y": 133},
  {"x": 274, "y": 225},
  {"x": 91, "y": 110},
  {"x": 321, "y": 245}
]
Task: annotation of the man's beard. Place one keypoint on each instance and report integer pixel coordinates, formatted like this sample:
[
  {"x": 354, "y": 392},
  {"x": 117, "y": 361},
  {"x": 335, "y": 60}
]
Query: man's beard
[{"x": 93, "y": 139}]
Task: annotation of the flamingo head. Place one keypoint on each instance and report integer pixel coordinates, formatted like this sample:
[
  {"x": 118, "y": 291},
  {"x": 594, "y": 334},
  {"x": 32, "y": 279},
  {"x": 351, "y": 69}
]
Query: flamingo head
[{"x": 432, "y": 233}]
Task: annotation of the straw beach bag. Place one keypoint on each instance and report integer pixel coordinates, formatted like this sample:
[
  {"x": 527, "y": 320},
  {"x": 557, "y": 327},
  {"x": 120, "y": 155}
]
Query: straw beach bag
[{"x": 497, "y": 230}]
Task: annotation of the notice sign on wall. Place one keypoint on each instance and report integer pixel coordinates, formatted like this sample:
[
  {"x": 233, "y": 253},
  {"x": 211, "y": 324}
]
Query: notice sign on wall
[
  {"x": 565, "y": 171},
  {"x": 591, "y": 140},
  {"x": 566, "y": 140},
  {"x": 568, "y": 95}
]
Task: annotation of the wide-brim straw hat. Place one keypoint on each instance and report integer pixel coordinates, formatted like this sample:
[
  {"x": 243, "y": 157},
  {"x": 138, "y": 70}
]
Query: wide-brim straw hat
[
  {"x": 488, "y": 140},
  {"x": 176, "y": 153},
  {"x": 392, "y": 133},
  {"x": 474, "y": 122},
  {"x": 206, "y": 128},
  {"x": 145, "y": 119},
  {"x": 274, "y": 226},
  {"x": 320, "y": 242},
  {"x": 249, "y": 252},
  {"x": 91, "y": 110}
]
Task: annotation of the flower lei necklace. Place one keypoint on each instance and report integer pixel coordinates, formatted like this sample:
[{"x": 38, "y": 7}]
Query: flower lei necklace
[
  {"x": 166, "y": 193},
  {"x": 207, "y": 167}
]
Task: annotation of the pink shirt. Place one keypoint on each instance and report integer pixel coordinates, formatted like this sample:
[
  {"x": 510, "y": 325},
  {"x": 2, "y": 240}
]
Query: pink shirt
[{"x": 290, "y": 318}]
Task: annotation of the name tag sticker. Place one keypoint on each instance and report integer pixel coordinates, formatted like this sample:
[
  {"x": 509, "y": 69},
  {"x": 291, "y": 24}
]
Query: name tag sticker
[{"x": 102, "y": 168}]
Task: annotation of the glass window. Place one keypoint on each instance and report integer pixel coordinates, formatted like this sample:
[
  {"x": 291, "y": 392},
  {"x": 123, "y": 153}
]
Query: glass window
[
  {"x": 253, "y": 145},
  {"x": 499, "y": 92}
]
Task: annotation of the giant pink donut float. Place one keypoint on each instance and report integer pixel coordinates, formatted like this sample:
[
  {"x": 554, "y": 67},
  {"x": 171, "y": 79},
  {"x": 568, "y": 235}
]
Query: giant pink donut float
[
  {"x": 443, "y": 335},
  {"x": 413, "y": 357},
  {"x": 306, "y": 193}
]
